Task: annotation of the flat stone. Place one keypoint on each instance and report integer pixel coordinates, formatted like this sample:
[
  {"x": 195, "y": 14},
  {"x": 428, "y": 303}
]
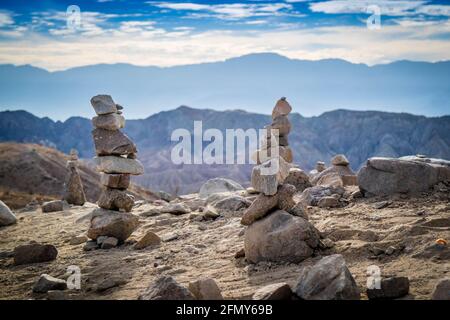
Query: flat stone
[
  {"x": 7, "y": 217},
  {"x": 260, "y": 207},
  {"x": 232, "y": 204},
  {"x": 149, "y": 239},
  {"x": 112, "y": 121},
  {"x": 166, "y": 288},
  {"x": 327, "y": 279},
  {"x": 205, "y": 289},
  {"x": 311, "y": 196},
  {"x": 115, "y": 224},
  {"x": 90, "y": 245},
  {"x": 115, "y": 199},
  {"x": 282, "y": 124},
  {"x": 280, "y": 237},
  {"x": 109, "y": 142},
  {"x": 74, "y": 241},
  {"x": 328, "y": 202},
  {"x": 112, "y": 164},
  {"x": 53, "y": 206},
  {"x": 282, "y": 108},
  {"x": 103, "y": 104},
  {"x": 391, "y": 288},
  {"x": 115, "y": 181},
  {"x": 47, "y": 283},
  {"x": 34, "y": 253},
  {"x": 276, "y": 291}
]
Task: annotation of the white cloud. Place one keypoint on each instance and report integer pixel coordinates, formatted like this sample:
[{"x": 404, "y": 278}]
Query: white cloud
[
  {"x": 156, "y": 46},
  {"x": 227, "y": 11},
  {"x": 6, "y": 19},
  {"x": 435, "y": 10},
  {"x": 388, "y": 7}
]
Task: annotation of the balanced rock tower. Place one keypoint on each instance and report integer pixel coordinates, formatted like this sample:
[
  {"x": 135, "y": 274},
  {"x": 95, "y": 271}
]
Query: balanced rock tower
[
  {"x": 116, "y": 161},
  {"x": 278, "y": 229},
  {"x": 74, "y": 192}
]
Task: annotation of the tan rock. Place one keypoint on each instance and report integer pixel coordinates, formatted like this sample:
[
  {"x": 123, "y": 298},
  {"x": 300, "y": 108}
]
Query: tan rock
[
  {"x": 112, "y": 164},
  {"x": 149, "y": 239},
  {"x": 282, "y": 107},
  {"x": 205, "y": 289},
  {"x": 115, "y": 224}
]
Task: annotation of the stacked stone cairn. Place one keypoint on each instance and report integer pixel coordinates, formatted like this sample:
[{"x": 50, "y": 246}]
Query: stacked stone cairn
[
  {"x": 116, "y": 155},
  {"x": 74, "y": 192},
  {"x": 116, "y": 161},
  {"x": 278, "y": 227}
]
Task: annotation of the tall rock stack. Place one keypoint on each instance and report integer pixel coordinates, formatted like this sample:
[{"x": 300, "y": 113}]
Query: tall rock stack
[
  {"x": 74, "y": 192},
  {"x": 116, "y": 154},
  {"x": 280, "y": 122}
]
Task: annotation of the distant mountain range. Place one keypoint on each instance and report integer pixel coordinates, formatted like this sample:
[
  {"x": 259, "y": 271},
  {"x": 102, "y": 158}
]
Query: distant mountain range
[
  {"x": 252, "y": 82},
  {"x": 357, "y": 134}
]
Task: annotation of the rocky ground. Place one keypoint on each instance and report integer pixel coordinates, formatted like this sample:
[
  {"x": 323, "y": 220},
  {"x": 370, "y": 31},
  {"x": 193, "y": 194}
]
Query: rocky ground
[{"x": 396, "y": 233}]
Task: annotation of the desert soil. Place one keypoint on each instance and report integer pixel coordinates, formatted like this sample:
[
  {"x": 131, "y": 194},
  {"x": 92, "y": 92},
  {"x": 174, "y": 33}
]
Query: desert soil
[{"x": 207, "y": 249}]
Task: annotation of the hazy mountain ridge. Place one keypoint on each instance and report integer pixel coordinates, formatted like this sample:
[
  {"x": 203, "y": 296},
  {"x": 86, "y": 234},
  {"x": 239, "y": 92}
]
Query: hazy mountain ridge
[
  {"x": 357, "y": 134},
  {"x": 250, "y": 82}
]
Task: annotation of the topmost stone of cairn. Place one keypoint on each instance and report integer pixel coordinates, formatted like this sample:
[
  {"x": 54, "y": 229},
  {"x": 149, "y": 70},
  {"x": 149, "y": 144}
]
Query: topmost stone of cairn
[
  {"x": 73, "y": 155},
  {"x": 340, "y": 160},
  {"x": 103, "y": 104},
  {"x": 282, "y": 108}
]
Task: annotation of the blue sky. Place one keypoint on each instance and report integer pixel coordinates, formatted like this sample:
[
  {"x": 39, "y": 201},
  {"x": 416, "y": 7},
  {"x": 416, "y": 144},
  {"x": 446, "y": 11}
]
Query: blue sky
[{"x": 167, "y": 33}]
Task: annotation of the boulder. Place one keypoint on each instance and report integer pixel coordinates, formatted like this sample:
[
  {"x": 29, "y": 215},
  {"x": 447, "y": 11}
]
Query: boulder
[
  {"x": 47, "y": 283},
  {"x": 205, "y": 289},
  {"x": 442, "y": 290},
  {"x": 276, "y": 291},
  {"x": 149, "y": 239},
  {"x": 115, "y": 224},
  {"x": 335, "y": 176},
  {"x": 7, "y": 217},
  {"x": 328, "y": 279},
  {"x": 267, "y": 176},
  {"x": 112, "y": 164},
  {"x": 166, "y": 288},
  {"x": 286, "y": 197},
  {"x": 175, "y": 208},
  {"x": 340, "y": 160},
  {"x": 74, "y": 192},
  {"x": 103, "y": 104},
  {"x": 218, "y": 185},
  {"x": 232, "y": 204},
  {"x": 112, "y": 121},
  {"x": 109, "y": 142},
  {"x": 115, "y": 199},
  {"x": 298, "y": 178},
  {"x": 311, "y": 196},
  {"x": 298, "y": 211},
  {"x": 282, "y": 108},
  {"x": 280, "y": 237},
  {"x": 53, "y": 206},
  {"x": 391, "y": 288},
  {"x": 116, "y": 181},
  {"x": 385, "y": 176},
  {"x": 76, "y": 240},
  {"x": 34, "y": 253}
]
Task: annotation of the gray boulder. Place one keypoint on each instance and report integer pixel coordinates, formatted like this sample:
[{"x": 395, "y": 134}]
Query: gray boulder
[
  {"x": 276, "y": 291},
  {"x": 231, "y": 204},
  {"x": 166, "y": 288},
  {"x": 205, "y": 289},
  {"x": 298, "y": 178},
  {"x": 218, "y": 185},
  {"x": 7, "y": 217},
  {"x": 385, "y": 176},
  {"x": 53, "y": 206},
  {"x": 47, "y": 283},
  {"x": 280, "y": 237},
  {"x": 115, "y": 224},
  {"x": 112, "y": 121},
  {"x": 267, "y": 176},
  {"x": 312, "y": 196},
  {"x": 442, "y": 290},
  {"x": 328, "y": 279},
  {"x": 103, "y": 104},
  {"x": 112, "y": 164}
]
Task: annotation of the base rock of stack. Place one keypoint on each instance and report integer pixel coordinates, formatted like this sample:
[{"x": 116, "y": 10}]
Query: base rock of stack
[
  {"x": 109, "y": 142},
  {"x": 112, "y": 164},
  {"x": 280, "y": 237},
  {"x": 111, "y": 121},
  {"x": 115, "y": 224},
  {"x": 115, "y": 199},
  {"x": 116, "y": 181},
  {"x": 74, "y": 193}
]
